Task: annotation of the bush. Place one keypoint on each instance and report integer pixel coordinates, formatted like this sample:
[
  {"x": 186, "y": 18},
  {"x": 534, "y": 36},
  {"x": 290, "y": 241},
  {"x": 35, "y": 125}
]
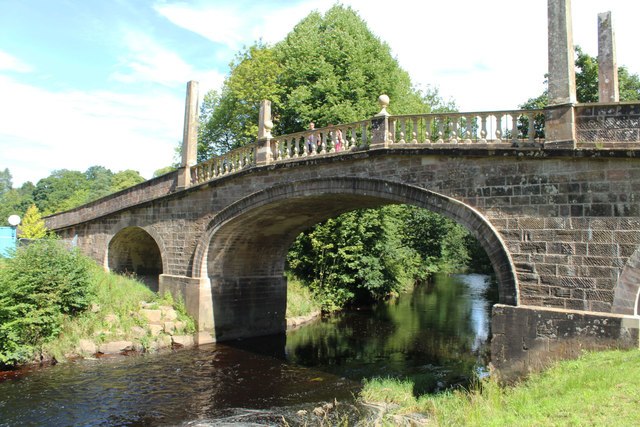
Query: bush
[{"x": 41, "y": 284}]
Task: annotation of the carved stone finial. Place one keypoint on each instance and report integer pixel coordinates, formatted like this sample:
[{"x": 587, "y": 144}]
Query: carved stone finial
[
  {"x": 268, "y": 125},
  {"x": 383, "y": 100}
]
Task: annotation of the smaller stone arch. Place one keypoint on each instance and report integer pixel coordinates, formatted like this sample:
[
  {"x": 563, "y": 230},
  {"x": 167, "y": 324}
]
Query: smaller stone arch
[
  {"x": 627, "y": 292},
  {"x": 134, "y": 250}
]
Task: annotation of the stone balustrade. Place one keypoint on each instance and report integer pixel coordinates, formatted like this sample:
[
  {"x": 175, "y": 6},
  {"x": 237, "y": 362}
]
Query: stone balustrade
[
  {"x": 499, "y": 127},
  {"x": 235, "y": 160},
  {"x": 510, "y": 128}
]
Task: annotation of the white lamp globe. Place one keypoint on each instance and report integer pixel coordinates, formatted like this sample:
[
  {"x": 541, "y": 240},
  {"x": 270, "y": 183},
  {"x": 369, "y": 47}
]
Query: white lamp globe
[{"x": 14, "y": 220}]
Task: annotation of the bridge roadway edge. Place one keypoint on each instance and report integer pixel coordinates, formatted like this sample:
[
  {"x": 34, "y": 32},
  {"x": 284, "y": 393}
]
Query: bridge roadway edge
[{"x": 529, "y": 325}]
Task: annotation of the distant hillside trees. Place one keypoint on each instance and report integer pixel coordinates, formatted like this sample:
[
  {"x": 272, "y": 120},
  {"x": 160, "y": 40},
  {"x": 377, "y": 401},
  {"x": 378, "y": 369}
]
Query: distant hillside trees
[{"x": 62, "y": 190}]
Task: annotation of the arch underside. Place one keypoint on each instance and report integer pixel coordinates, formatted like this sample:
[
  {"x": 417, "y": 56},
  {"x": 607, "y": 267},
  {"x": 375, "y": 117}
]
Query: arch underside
[
  {"x": 134, "y": 251},
  {"x": 244, "y": 250}
]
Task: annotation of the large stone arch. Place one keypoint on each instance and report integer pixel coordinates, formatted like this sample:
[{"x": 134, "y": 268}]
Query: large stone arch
[
  {"x": 244, "y": 248},
  {"x": 627, "y": 291},
  {"x": 133, "y": 249}
]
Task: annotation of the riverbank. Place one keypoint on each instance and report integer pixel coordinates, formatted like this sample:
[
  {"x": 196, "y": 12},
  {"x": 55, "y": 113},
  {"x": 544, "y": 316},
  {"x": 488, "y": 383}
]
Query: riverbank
[
  {"x": 125, "y": 315},
  {"x": 599, "y": 388}
]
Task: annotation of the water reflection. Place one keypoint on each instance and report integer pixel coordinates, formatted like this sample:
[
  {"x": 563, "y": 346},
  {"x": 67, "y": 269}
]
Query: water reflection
[{"x": 435, "y": 336}]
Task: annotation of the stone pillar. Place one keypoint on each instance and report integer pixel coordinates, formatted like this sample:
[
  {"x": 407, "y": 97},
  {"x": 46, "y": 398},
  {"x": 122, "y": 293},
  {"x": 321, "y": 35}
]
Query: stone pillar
[
  {"x": 189, "y": 136},
  {"x": 560, "y": 118},
  {"x": 196, "y": 294},
  {"x": 264, "y": 152},
  {"x": 607, "y": 66},
  {"x": 380, "y": 125}
]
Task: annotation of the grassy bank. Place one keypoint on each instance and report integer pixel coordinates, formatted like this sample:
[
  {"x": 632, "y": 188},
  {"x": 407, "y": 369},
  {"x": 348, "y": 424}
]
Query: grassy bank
[
  {"x": 600, "y": 388},
  {"x": 56, "y": 303},
  {"x": 114, "y": 315},
  {"x": 300, "y": 300}
]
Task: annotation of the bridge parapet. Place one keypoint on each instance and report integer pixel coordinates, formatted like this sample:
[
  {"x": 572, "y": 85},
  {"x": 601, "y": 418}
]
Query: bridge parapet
[{"x": 599, "y": 125}]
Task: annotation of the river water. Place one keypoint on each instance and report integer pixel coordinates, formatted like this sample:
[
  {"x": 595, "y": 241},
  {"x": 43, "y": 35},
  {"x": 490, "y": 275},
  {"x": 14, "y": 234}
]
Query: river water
[{"x": 435, "y": 336}]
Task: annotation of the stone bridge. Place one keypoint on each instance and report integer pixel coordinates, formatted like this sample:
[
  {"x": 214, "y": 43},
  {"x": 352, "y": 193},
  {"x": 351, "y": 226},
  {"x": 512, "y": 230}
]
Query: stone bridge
[{"x": 558, "y": 216}]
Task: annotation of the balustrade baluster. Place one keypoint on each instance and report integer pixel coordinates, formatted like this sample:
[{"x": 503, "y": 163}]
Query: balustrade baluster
[
  {"x": 441, "y": 120},
  {"x": 286, "y": 148},
  {"x": 471, "y": 121},
  {"x": 498, "y": 127},
  {"x": 453, "y": 125},
  {"x": 531, "y": 130},
  {"x": 414, "y": 133},
  {"x": 514, "y": 128},
  {"x": 427, "y": 129},
  {"x": 483, "y": 128},
  {"x": 403, "y": 131}
]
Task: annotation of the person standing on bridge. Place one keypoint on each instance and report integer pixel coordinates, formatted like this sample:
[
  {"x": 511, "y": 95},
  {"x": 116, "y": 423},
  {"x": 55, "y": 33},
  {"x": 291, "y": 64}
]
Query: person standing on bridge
[{"x": 313, "y": 141}]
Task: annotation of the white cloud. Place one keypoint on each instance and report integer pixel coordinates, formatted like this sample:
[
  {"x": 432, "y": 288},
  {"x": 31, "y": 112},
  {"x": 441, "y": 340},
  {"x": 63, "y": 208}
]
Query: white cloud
[
  {"x": 75, "y": 130},
  {"x": 11, "y": 63},
  {"x": 147, "y": 61},
  {"x": 219, "y": 23}
]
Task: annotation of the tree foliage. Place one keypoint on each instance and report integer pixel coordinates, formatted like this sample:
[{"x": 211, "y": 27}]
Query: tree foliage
[
  {"x": 39, "y": 285},
  {"x": 371, "y": 253},
  {"x": 329, "y": 69},
  {"x": 32, "y": 225},
  {"x": 62, "y": 190}
]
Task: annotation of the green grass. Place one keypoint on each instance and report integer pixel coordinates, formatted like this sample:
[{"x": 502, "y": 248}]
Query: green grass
[
  {"x": 114, "y": 294},
  {"x": 600, "y": 388},
  {"x": 300, "y": 300}
]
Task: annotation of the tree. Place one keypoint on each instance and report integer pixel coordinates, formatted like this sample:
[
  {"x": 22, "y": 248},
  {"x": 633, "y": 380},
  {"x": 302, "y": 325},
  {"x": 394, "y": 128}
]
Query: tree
[
  {"x": 99, "y": 179},
  {"x": 125, "y": 179},
  {"x": 32, "y": 225},
  {"x": 329, "y": 69},
  {"x": 5, "y": 181},
  {"x": 62, "y": 190},
  {"x": 163, "y": 171}
]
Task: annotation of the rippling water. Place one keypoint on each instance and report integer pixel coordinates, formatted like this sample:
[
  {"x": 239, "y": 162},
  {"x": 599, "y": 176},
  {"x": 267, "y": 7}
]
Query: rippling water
[{"x": 434, "y": 337}]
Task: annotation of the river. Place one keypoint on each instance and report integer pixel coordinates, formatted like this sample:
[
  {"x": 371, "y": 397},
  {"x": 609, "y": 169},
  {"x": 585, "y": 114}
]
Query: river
[{"x": 435, "y": 336}]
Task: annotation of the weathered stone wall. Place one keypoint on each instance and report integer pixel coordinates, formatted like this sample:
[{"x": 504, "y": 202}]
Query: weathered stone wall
[
  {"x": 527, "y": 339},
  {"x": 608, "y": 123}
]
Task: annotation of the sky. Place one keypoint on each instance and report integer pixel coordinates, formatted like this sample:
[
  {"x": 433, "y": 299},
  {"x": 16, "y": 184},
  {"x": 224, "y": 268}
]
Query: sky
[{"x": 103, "y": 82}]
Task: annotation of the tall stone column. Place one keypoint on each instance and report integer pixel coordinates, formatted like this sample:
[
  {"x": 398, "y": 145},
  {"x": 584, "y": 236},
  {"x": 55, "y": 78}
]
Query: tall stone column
[
  {"x": 607, "y": 66},
  {"x": 264, "y": 152},
  {"x": 189, "y": 136},
  {"x": 560, "y": 120}
]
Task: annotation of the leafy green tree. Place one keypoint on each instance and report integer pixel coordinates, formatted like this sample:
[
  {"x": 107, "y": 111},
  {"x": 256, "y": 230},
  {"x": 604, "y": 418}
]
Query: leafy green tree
[
  {"x": 32, "y": 225},
  {"x": 5, "y": 181},
  {"x": 62, "y": 190},
  {"x": 125, "y": 179},
  {"x": 163, "y": 171},
  {"x": 99, "y": 179},
  {"x": 16, "y": 201},
  {"x": 39, "y": 285},
  {"x": 329, "y": 69}
]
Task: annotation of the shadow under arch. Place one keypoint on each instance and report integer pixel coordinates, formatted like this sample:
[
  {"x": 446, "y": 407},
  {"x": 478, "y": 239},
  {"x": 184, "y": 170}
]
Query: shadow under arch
[
  {"x": 627, "y": 290},
  {"x": 134, "y": 250},
  {"x": 244, "y": 248}
]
